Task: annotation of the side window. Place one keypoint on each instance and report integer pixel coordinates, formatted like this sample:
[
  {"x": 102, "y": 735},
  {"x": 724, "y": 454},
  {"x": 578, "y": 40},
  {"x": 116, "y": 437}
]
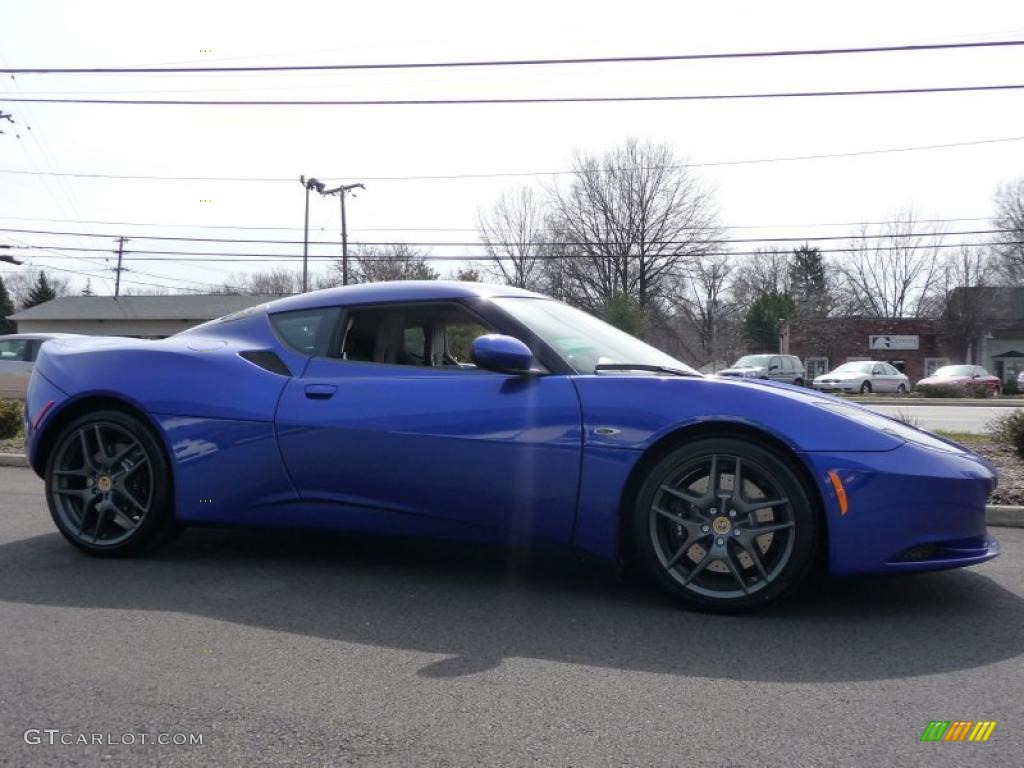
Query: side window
[
  {"x": 878, "y": 370},
  {"x": 301, "y": 330},
  {"x": 980, "y": 372},
  {"x": 774, "y": 365},
  {"x": 787, "y": 365},
  {"x": 433, "y": 335},
  {"x": 14, "y": 350}
]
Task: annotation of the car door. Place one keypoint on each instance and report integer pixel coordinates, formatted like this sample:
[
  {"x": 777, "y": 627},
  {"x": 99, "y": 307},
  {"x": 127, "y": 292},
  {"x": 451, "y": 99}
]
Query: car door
[
  {"x": 879, "y": 381},
  {"x": 393, "y": 417},
  {"x": 15, "y": 366},
  {"x": 775, "y": 371}
]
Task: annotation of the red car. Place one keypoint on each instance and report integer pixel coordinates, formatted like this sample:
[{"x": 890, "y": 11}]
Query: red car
[{"x": 963, "y": 378}]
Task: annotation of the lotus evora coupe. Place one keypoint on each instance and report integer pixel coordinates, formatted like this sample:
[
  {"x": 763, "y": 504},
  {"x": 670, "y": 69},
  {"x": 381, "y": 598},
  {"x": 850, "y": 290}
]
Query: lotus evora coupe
[{"x": 466, "y": 411}]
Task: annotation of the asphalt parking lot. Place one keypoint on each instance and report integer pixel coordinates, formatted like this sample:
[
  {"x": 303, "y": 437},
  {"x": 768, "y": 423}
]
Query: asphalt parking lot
[{"x": 309, "y": 650}]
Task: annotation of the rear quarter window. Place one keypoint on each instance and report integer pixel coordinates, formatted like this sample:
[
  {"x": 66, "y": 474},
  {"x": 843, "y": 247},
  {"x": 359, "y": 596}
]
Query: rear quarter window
[{"x": 303, "y": 330}]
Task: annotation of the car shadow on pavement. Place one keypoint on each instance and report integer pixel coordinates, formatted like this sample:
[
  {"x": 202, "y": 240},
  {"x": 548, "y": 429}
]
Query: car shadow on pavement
[{"x": 477, "y": 606}]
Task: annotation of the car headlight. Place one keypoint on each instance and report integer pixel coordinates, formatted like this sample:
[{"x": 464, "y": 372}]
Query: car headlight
[{"x": 891, "y": 427}]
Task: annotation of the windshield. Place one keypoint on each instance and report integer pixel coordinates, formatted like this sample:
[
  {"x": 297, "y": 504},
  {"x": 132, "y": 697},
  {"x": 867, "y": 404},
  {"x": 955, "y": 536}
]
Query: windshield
[
  {"x": 752, "y": 361},
  {"x": 582, "y": 339},
  {"x": 947, "y": 371},
  {"x": 864, "y": 366}
]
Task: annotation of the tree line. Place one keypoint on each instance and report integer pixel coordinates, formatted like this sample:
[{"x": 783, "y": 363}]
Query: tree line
[{"x": 635, "y": 236}]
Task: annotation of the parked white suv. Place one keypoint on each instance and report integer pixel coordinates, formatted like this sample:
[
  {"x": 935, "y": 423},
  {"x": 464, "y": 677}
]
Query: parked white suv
[{"x": 785, "y": 368}]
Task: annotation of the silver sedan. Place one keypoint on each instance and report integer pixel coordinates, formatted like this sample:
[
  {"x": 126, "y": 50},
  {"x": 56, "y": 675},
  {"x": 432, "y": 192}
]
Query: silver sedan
[{"x": 864, "y": 377}]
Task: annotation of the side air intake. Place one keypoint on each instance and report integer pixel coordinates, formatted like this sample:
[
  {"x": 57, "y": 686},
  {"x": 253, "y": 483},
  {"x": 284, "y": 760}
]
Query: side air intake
[{"x": 267, "y": 360}]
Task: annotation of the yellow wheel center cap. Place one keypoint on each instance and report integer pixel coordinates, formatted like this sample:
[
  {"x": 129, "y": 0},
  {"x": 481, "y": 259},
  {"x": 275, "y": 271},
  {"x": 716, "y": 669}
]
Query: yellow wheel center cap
[
  {"x": 104, "y": 483},
  {"x": 721, "y": 525}
]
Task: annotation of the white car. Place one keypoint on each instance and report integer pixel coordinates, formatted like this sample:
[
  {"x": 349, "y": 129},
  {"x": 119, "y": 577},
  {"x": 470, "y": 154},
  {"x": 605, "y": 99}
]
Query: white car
[
  {"x": 17, "y": 357},
  {"x": 863, "y": 377}
]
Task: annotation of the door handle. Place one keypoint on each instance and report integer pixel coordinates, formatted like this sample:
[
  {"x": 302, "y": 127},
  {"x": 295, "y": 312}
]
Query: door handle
[{"x": 320, "y": 391}]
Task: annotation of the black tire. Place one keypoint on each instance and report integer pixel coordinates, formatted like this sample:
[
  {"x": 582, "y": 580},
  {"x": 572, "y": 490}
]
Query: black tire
[
  {"x": 798, "y": 383},
  {"x": 108, "y": 486},
  {"x": 865, "y": 388},
  {"x": 901, "y": 389},
  {"x": 681, "y": 530}
]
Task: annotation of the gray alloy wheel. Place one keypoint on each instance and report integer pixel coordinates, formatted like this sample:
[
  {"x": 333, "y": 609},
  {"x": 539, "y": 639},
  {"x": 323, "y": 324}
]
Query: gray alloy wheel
[
  {"x": 725, "y": 524},
  {"x": 107, "y": 485}
]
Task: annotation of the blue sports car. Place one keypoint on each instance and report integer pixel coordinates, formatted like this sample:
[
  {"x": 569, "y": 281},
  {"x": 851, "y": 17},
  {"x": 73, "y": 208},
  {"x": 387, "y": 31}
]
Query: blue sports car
[{"x": 486, "y": 413}]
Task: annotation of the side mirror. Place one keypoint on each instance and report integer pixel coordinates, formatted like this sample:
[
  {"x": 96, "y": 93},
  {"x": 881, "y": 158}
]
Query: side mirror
[{"x": 504, "y": 354}]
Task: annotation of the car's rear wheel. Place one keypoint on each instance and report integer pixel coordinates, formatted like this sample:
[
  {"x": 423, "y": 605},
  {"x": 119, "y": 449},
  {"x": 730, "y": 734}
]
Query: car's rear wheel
[
  {"x": 865, "y": 388},
  {"x": 108, "y": 485},
  {"x": 799, "y": 382},
  {"x": 901, "y": 389},
  {"x": 725, "y": 524}
]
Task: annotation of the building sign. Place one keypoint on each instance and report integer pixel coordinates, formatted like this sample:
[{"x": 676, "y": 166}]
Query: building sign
[{"x": 892, "y": 342}]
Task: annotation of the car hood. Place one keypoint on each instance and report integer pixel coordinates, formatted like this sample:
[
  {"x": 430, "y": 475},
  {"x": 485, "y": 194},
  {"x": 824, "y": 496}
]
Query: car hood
[
  {"x": 747, "y": 370},
  {"x": 642, "y": 410},
  {"x": 840, "y": 376},
  {"x": 937, "y": 380}
]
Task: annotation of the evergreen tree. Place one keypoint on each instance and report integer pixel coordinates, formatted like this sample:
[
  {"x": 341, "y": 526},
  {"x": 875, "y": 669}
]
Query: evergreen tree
[
  {"x": 764, "y": 320},
  {"x": 41, "y": 292},
  {"x": 6, "y": 308},
  {"x": 809, "y": 283}
]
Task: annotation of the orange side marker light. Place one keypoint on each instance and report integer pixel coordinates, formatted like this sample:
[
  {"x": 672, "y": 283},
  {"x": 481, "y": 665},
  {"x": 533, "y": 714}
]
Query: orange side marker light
[{"x": 837, "y": 484}]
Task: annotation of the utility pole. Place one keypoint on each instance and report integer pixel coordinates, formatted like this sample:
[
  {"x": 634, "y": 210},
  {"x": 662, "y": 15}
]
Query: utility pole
[
  {"x": 117, "y": 275},
  {"x": 341, "y": 191},
  {"x": 309, "y": 184}
]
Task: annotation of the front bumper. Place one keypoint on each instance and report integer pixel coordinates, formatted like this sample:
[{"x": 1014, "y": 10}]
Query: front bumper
[{"x": 909, "y": 509}]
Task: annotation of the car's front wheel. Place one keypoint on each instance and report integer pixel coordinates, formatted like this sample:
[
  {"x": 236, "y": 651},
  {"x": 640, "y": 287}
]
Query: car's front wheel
[
  {"x": 108, "y": 485},
  {"x": 865, "y": 388},
  {"x": 725, "y": 524}
]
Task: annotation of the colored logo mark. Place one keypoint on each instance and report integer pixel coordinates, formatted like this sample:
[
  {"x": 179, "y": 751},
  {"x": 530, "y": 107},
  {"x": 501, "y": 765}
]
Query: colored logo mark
[{"x": 958, "y": 730}]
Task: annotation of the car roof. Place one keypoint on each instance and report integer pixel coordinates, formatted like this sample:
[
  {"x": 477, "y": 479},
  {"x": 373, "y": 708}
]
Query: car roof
[{"x": 398, "y": 290}]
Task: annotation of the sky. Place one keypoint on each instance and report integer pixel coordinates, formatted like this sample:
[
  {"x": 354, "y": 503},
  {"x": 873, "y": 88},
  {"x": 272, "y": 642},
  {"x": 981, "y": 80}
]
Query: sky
[{"x": 347, "y": 144}]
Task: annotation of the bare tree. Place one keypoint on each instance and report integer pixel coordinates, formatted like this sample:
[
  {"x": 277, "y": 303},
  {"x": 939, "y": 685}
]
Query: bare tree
[
  {"x": 1009, "y": 217},
  {"x": 767, "y": 272},
  {"x": 513, "y": 234},
  {"x": 395, "y": 261},
  {"x": 892, "y": 271},
  {"x": 965, "y": 311},
  {"x": 628, "y": 223},
  {"x": 702, "y": 300},
  {"x": 278, "y": 281}
]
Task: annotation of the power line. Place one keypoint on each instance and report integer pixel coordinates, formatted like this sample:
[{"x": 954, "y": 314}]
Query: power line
[
  {"x": 518, "y": 174},
  {"x": 513, "y": 62},
  {"x": 249, "y": 227},
  {"x": 185, "y": 256},
  {"x": 473, "y": 243},
  {"x": 521, "y": 100}
]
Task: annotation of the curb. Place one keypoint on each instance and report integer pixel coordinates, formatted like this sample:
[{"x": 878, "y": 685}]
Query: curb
[
  {"x": 1003, "y": 515},
  {"x": 992, "y": 402},
  {"x": 13, "y": 460}
]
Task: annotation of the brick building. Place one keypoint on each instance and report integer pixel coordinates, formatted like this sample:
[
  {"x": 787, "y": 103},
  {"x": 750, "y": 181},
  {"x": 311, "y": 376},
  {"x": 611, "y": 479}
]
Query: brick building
[
  {"x": 912, "y": 345},
  {"x": 980, "y": 326}
]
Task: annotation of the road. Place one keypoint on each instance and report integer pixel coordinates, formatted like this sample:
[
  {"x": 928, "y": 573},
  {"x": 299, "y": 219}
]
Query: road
[
  {"x": 949, "y": 418},
  {"x": 311, "y": 650}
]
